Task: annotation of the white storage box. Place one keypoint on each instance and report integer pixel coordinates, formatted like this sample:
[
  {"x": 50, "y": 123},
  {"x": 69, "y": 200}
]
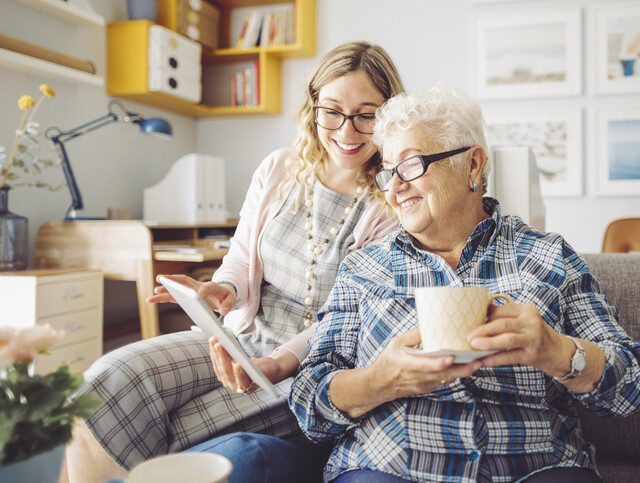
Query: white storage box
[
  {"x": 179, "y": 87},
  {"x": 174, "y": 64},
  {"x": 193, "y": 191}
]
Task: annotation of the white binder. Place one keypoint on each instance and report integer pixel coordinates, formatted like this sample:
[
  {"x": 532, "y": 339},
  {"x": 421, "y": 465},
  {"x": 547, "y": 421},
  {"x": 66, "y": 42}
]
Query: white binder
[
  {"x": 193, "y": 191},
  {"x": 515, "y": 182}
]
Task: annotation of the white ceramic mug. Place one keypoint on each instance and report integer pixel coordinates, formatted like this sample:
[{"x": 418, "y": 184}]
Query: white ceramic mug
[
  {"x": 182, "y": 467},
  {"x": 446, "y": 315}
]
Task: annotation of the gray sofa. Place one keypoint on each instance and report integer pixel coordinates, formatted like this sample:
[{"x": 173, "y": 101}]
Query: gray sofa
[{"x": 617, "y": 440}]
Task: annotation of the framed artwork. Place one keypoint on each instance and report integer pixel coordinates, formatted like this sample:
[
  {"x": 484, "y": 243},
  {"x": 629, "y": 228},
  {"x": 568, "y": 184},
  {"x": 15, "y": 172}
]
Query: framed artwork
[
  {"x": 554, "y": 137},
  {"x": 617, "y": 152},
  {"x": 617, "y": 48},
  {"x": 529, "y": 56}
]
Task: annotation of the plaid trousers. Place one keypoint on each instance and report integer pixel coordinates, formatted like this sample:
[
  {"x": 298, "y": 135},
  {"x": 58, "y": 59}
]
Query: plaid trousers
[{"x": 161, "y": 396}]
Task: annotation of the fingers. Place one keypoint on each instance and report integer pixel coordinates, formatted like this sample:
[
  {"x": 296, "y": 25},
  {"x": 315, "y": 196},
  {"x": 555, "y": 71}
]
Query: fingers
[
  {"x": 409, "y": 339},
  {"x": 217, "y": 297},
  {"x": 243, "y": 382},
  {"x": 456, "y": 371},
  {"x": 161, "y": 295},
  {"x": 506, "y": 358},
  {"x": 506, "y": 341},
  {"x": 421, "y": 365},
  {"x": 506, "y": 310},
  {"x": 224, "y": 366},
  {"x": 496, "y": 327}
]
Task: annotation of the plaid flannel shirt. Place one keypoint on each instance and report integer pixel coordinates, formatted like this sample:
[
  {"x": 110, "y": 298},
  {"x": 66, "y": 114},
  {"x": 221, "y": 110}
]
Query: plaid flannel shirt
[{"x": 501, "y": 424}]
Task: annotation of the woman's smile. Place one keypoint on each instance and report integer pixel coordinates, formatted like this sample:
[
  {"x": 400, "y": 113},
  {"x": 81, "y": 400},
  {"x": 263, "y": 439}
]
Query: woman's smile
[{"x": 349, "y": 149}]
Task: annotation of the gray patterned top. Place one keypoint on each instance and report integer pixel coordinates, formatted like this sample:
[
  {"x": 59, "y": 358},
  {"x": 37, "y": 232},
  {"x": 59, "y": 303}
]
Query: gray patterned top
[{"x": 285, "y": 258}]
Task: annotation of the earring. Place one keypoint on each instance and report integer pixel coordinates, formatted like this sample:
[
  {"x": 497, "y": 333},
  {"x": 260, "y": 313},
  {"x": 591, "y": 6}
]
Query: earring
[{"x": 474, "y": 187}]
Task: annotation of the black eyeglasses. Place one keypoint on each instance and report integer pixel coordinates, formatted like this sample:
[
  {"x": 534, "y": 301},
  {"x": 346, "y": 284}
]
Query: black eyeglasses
[
  {"x": 412, "y": 168},
  {"x": 333, "y": 120}
]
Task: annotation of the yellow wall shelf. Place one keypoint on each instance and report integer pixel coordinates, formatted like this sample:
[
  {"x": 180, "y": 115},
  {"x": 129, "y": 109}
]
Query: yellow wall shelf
[{"x": 127, "y": 46}]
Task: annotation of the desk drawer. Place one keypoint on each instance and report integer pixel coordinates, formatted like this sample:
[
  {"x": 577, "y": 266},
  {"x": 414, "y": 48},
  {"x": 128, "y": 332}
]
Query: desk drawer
[
  {"x": 55, "y": 298},
  {"x": 79, "y": 357},
  {"x": 82, "y": 325}
]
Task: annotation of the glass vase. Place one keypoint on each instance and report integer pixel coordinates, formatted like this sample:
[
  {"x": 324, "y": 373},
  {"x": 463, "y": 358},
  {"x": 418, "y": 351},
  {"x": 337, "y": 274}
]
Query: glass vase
[
  {"x": 14, "y": 236},
  {"x": 41, "y": 468}
]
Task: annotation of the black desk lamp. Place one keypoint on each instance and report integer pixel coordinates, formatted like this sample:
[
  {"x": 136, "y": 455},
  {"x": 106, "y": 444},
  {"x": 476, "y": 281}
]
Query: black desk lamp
[{"x": 153, "y": 125}]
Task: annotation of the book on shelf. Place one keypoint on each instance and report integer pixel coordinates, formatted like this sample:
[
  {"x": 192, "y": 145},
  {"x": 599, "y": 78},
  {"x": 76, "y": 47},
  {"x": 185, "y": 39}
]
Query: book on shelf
[
  {"x": 243, "y": 33},
  {"x": 233, "y": 91},
  {"x": 263, "y": 25},
  {"x": 252, "y": 35},
  {"x": 244, "y": 85},
  {"x": 240, "y": 88},
  {"x": 265, "y": 30}
]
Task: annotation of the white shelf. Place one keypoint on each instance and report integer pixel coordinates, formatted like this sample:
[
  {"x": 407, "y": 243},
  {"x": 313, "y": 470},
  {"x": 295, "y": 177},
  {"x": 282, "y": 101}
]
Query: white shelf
[
  {"x": 31, "y": 65},
  {"x": 64, "y": 11}
]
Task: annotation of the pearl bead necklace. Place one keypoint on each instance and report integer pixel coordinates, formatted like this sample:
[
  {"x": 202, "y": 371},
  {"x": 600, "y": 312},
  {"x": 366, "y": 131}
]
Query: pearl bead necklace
[{"x": 317, "y": 249}]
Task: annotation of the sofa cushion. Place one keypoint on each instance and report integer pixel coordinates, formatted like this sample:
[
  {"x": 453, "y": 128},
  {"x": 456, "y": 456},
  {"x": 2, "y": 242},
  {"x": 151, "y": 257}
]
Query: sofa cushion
[{"x": 616, "y": 438}]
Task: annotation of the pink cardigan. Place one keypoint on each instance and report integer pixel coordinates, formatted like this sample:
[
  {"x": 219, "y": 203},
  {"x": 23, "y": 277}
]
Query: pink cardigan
[{"x": 242, "y": 265}]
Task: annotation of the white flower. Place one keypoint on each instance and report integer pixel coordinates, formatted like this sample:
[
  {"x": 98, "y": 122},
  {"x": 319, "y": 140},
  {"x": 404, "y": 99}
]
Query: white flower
[
  {"x": 37, "y": 338},
  {"x": 32, "y": 128},
  {"x": 22, "y": 345}
]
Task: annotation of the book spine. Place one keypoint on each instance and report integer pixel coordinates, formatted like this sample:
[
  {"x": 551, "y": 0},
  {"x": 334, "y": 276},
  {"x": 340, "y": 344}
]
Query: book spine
[
  {"x": 257, "y": 81},
  {"x": 239, "y": 88},
  {"x": 243, "y": 33},
  {"x": 233, "y": 96}
]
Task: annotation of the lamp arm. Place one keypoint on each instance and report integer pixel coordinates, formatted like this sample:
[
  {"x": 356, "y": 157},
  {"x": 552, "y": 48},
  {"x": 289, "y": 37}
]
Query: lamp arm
[
  {"x": 58, "y": 138},
  {"x": 76, "y": 197},
  {"x": 64, "y": 136}
]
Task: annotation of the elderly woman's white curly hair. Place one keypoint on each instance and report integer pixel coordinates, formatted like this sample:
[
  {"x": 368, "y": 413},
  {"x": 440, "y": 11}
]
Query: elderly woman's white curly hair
[{"x": 448, "y": 116}]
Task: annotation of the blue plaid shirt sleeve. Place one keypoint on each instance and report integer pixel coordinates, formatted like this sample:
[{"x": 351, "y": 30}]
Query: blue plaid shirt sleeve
[
  {"x": 588, "y": 316},
  {"x": 332, "y": 349}
]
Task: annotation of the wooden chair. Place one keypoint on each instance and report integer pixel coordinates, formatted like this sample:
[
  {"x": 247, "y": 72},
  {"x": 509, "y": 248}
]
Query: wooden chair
[{"x": 622, "y": 236}]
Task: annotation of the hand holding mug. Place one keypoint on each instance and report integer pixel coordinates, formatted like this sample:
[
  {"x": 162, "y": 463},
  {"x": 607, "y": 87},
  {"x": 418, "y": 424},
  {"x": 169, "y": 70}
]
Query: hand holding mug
[
  {"x": 399, "y": 372},
  {"x": 525, "y": 338}
]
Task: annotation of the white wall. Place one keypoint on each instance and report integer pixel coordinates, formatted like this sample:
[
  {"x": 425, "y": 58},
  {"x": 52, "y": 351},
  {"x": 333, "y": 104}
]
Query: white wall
[
  {"x": 430, "y": 40},
  {"x": 111, "y": 165}
]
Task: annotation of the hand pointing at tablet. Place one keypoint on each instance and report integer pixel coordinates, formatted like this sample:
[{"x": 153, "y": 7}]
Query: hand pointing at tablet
[{"x": 219, "y": 297}]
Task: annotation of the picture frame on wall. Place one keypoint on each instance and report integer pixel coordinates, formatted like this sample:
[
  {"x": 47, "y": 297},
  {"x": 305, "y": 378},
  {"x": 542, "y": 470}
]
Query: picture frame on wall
[
  {"x": 617, "y": 30},
  {"x": 555, "y": 137},
  {"x": 529, "y": 55},
  {"x": 617, "y": 152}
]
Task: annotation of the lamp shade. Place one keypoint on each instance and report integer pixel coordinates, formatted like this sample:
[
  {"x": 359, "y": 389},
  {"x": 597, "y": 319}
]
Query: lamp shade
[{"x": 156, "y": 125}]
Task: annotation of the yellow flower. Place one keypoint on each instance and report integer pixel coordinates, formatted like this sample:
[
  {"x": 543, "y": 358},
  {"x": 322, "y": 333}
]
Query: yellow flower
[
  {"x": 47, "y": 90},
  {"x": 25, "y": 102}
]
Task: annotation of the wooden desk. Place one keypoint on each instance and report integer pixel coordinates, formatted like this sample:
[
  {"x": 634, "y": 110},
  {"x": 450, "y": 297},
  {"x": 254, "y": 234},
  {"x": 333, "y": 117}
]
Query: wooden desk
[{"x": 124, "y": 250}]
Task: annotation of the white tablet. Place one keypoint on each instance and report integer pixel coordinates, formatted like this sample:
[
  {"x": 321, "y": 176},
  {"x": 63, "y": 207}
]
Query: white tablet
[{"x": 210, "y": 323}]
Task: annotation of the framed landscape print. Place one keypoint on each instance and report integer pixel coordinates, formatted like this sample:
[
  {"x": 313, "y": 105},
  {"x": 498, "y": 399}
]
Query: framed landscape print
[
  {"x": 529, "y": 56},
  {"x": 617, "y": 152},
  {"x": 617, "y": 48},
  {"x": 554, "y": 137}
]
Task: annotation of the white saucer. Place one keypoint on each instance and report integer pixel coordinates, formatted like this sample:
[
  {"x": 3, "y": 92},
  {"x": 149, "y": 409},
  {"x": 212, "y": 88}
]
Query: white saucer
[{"x": 461, "y": 357}]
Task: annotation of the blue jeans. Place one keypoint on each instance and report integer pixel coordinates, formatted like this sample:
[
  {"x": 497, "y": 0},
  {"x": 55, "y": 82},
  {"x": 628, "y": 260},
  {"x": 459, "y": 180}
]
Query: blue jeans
[
  {"x": 553, "y": 475},
  {"x": 258, "y": 458}
]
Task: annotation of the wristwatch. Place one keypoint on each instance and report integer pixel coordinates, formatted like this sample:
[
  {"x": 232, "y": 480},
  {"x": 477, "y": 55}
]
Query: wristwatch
[{"x": 578, "y": 362}]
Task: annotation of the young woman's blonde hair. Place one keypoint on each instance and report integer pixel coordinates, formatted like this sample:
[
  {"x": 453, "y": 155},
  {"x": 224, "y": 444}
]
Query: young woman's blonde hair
[{"x": 345, "y": 59}]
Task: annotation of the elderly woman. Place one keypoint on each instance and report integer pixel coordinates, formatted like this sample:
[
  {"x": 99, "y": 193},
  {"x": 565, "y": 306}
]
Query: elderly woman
[{"x": 398, "y": 416}]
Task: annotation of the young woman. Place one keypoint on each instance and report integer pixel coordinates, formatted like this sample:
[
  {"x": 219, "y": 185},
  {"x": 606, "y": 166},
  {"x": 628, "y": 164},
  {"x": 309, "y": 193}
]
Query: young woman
[{"x": 305, "y": 210}]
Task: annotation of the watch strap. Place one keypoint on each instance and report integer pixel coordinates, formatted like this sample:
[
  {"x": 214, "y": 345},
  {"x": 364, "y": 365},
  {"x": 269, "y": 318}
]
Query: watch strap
[{"x": 573, "y": 373}]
